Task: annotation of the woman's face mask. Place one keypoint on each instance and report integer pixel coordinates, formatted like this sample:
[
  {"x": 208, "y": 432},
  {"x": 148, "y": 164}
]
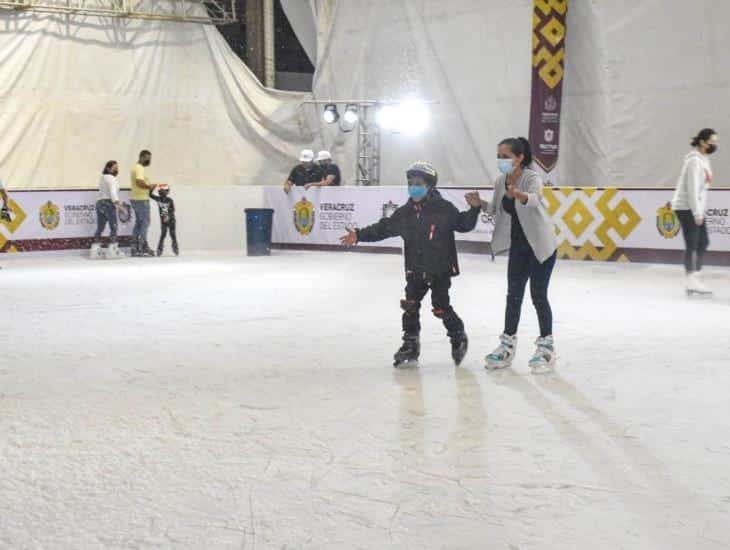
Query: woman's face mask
[
  {"x": 417, "y": 191},
  {"x": 711, "y": 148},
  {"x": 505, "y": 166}
]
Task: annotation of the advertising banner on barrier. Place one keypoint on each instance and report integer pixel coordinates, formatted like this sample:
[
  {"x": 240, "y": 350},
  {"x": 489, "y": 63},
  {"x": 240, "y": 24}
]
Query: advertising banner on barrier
[
  {"x": 628, "y": 224},
  {"x": 56, "y": 220},
  {"x": 606, "y": 224},
  {"x": 322, "y": 216}
]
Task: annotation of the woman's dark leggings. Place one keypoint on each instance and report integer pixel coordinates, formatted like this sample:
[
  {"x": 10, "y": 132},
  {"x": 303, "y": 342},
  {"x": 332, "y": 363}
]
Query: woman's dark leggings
[
  {"x": 524, "y": 266},
  {"x": 106, "y": 212},
  {"x": 696, "y": 240}
]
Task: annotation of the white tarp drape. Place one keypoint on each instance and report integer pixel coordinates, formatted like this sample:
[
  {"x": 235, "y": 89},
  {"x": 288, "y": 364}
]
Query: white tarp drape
[
  {"x": 641, "y": 78},
  {"x": 75, "y": 92},
  {"x": 301, "y": 15}
]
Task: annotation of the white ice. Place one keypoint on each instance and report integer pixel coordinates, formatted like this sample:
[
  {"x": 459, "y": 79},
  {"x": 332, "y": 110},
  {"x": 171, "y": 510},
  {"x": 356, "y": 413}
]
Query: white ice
[{"x": 216, "y": 401}]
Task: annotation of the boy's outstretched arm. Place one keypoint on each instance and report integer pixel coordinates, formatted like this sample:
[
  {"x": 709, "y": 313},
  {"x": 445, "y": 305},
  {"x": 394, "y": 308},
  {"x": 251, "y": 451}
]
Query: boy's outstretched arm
[
  {"x": 467, "y": 220},
  {"x": 384, "y": 229}
]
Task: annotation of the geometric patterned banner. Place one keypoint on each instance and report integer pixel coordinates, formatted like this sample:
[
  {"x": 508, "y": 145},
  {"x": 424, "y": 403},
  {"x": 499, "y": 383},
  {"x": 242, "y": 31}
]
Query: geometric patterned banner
[
  {"x": 588, "y": 221},
  {"x": 548, "y": 58}
]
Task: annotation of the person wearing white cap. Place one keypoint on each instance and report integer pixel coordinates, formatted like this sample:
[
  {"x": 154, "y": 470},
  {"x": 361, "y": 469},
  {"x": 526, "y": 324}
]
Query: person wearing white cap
[
  {"x": 303, "y": 173},
  {"x": 330, "y": 171}
]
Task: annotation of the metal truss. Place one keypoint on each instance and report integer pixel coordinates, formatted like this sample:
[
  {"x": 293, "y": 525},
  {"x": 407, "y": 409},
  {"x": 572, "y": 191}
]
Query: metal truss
[
  {"x": 215, "y": 12},
  {"x": 368, "y": 147}
]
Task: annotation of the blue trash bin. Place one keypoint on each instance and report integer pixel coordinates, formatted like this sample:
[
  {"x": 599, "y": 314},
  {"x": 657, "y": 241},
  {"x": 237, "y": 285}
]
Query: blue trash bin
[{"x": 259, "y": 222}]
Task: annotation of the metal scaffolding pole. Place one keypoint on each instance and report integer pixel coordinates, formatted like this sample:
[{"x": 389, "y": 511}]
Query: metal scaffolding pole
[
  {"x": 367, "y": 164},
  {"x": 269, "y": 49},
  {"x": 214, "y": 12}
]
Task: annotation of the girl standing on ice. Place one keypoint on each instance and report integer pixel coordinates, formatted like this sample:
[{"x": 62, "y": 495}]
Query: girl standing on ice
[
  {"x": 522, "y": 226},
  {"x": 690, "y": 200}
]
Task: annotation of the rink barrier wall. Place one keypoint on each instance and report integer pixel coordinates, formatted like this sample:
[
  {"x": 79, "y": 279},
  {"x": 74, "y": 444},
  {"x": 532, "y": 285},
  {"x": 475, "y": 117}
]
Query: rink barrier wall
[
  {"x": 209, "y": 217},
  {"x": 591, "y": 223},
  {"x": 596, "y": 224}
]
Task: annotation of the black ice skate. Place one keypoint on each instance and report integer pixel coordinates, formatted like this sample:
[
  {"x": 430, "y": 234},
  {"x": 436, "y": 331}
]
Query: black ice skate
[
  {"x": 459, "y": 347},
  {"x": 407, "y": 355}
]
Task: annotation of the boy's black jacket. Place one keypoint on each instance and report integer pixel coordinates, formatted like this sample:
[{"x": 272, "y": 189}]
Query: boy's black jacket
[{"x": 427, "y": 229}]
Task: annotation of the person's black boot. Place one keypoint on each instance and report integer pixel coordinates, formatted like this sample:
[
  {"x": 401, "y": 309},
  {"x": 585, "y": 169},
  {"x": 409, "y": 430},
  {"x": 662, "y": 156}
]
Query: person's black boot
[
  {"x": 407, "y": 355},
  {"x": 459, "y": 347},
  {"x": 146, "y": 251}
]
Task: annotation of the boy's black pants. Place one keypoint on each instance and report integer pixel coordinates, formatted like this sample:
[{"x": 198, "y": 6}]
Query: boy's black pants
[
  {"x": 417, "y": 286},
  {"x": 164, "y": 227}
]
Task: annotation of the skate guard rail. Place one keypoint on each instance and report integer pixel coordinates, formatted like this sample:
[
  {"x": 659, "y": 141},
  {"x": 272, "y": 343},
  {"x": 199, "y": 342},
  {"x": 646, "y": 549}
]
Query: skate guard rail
[{"x": 591, "y": 223}]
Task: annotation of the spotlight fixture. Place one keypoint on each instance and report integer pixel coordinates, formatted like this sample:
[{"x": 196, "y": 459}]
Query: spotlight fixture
[
  {"x": 330, "y": 114},
  {"x": 351, "y": 114}
]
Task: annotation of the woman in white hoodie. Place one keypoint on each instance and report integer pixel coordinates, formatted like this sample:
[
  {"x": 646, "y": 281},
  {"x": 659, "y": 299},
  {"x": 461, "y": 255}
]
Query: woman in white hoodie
[
  {"x": 522, "y": 226},
  {"x": 689, "y": 203}
]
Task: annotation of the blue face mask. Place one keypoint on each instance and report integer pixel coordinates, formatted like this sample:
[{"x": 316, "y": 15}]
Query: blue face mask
[
  {"x": 505, "y": 166},
  {"x": 417, "y": 192}
]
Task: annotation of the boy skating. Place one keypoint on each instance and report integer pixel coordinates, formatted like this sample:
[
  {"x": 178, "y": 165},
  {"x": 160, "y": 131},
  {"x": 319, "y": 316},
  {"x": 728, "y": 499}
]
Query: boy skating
[
  {"x": 426, "y": 223},
  {"x": 167, "y": 217}
]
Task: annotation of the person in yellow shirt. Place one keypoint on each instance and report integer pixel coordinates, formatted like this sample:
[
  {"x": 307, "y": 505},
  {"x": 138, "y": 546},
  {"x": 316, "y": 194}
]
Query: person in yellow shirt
[{"x": 140, "y": 199}]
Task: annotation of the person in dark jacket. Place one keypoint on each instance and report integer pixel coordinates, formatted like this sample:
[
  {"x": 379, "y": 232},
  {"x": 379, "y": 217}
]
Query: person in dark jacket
[{"x": 426, "y": 223}]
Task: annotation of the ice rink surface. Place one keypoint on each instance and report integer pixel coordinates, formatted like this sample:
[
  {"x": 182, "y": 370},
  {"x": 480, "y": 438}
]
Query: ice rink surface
[{"x": 216, "y": 401}]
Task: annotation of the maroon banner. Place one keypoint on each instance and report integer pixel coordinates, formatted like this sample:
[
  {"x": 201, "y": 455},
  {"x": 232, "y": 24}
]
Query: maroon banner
[{"x": 548, "y": 55}]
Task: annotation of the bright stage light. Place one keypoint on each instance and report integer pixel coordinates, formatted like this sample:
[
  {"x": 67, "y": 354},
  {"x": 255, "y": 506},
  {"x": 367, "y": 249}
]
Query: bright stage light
[
  {"x": 414, "y": 117},
  {"x": 351, "y": 114},
  {"x": 330, "y": 114},
  {"x": 410, "y": 117},
  {"x": 387, "y": 117}
]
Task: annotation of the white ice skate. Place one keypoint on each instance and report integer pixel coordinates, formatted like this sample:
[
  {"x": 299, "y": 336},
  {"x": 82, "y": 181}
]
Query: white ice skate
[
  {"x": 502, "y": 357},
  {"x": 95, "y": 252},
  {"x": 695, "y": 287},
  {"x": 544, "y": 358},
  {"x": 113, "y": 252}
]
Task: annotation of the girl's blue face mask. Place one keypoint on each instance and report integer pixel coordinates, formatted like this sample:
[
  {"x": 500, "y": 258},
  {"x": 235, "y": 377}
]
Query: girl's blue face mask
[
  {"x": 417, "y": 192},
  {"x": 505, "y": 166}
]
